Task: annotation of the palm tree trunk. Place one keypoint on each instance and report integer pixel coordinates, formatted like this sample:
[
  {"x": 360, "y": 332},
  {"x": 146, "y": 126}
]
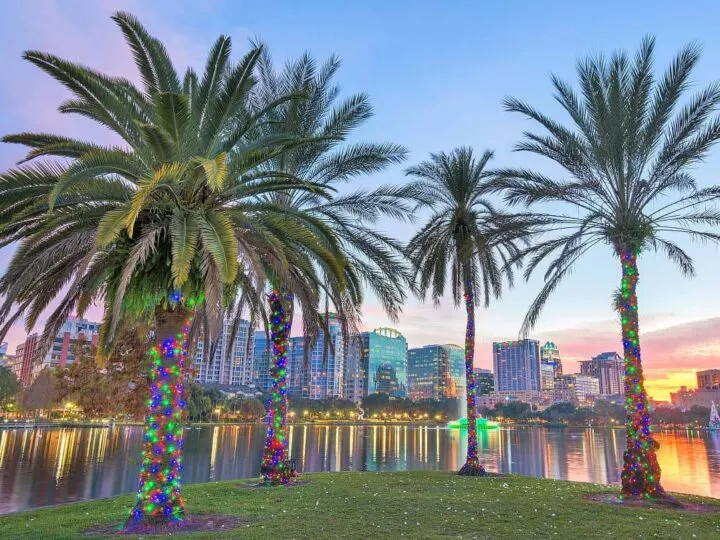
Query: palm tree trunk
[
  {"x": 472, "y": 465},
  {"x": 641, "y": 471},
  {"x": 275, "y": 468},
  {"x": 159, "y": 500}
]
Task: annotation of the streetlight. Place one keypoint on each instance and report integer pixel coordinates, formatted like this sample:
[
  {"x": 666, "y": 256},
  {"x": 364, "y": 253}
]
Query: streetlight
[{"x": 217, "y": 411}]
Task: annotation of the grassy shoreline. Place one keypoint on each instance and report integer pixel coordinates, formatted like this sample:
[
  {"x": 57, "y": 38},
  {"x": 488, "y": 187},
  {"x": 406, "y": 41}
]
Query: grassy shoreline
[{"x": 414, "y": 504}]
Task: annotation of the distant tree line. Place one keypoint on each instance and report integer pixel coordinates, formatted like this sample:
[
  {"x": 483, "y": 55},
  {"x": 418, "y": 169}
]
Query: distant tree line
[
  {"x": 115, "y": 388},
  {"x": 9, "y": 387},
  {"x": 603, "y": 413},
  {"x": 380, "y": 405}
]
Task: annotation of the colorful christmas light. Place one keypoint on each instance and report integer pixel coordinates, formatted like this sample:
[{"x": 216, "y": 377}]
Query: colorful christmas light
[
  {"x": 472, "y": 465},
  {"x": 158, "y": 498},
  {"x": 641, "y": 471},
  {"x": 275, "y": 467}
]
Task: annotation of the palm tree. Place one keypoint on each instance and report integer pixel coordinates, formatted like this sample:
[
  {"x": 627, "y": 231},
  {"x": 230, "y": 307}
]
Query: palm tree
[
  {"x": 372, "y": 258},
  {"x": 628, "y": 156},
  {"x": 476, "y": 243},
  {"x": 152, "y": 228}
]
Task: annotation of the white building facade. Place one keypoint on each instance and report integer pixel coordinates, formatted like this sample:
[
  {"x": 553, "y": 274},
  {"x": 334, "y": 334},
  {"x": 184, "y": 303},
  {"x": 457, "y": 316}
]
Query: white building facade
[{"x": 233, "y": 370}]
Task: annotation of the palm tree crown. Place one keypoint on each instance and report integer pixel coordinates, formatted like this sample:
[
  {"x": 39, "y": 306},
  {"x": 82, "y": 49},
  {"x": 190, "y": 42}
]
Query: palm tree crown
[
  {"x": 628, "y": 157},
  {"x": 372, "y": 258},
  {"x": 173, "y": 208},
  {"x": 465, "y": 232}
]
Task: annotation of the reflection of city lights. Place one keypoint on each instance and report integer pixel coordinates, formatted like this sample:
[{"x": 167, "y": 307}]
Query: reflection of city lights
[
  {"x": 66, "y": 449},
  {"x": 290, "y": 441},
  {"x": 3, "y": 445},
  {"x": 689, "y": 457},
  {"x": 213, "y": 451}
]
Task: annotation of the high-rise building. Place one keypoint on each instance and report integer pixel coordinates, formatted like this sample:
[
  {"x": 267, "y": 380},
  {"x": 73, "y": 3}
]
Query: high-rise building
[
  {"x": 456, "y": 388},
  {"x": 294, "y": 371},
  {"x": 24, "y": 360},
  {"x": 550, "y": 369},
  {"x": 517, "y": 366},
  {"x": 62, "y": 352},
  {"x": 708, "y": 379},
  {"x": 262, "y": 352},
  {"x": 576, "y": 388},
  {"x": 547, "y": 379},
  {"x": 609, "y": 369},
  {"x": 354, "y": 376},
  {"x": 323, "y": 377},
  {"x": 3, "y": 354},
  {"x": 298, "y": 367},
  {"x": 14, "y": 364},
  {"x": 73, "y": 332},
  {"x": 436, "y": 372},
  {"x": 377, "y": 364},
  {"x": 484, "y": 382},
  {"x": 227, "y": 367},
  {"x": 549, "y": 354}
]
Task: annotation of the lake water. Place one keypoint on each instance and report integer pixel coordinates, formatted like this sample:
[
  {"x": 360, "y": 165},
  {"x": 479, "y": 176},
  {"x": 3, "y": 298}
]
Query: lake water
[{"x": 40, "y": 467}]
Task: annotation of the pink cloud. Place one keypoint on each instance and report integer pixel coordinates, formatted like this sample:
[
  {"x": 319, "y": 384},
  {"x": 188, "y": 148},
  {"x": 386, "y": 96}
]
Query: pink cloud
[{"x": 691, "y": 345}]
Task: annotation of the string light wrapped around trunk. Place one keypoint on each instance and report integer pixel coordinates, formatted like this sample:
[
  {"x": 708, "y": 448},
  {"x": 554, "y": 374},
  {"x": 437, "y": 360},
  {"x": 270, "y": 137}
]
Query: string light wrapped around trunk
[
  {"x": 275, "y": 467},
  {"x": 472, "y": 465},
  {"x": 641, "y": 471},
  {"x": 158, "y": 497}
]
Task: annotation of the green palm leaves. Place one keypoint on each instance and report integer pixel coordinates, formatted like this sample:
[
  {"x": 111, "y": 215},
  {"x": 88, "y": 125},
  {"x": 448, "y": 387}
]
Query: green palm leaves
[
  {"x": 179, "y": 204},
  {"x": 627, "y": 154},
  {"x": 466, "y": 238},
  {"x": 340, "y": 227}
]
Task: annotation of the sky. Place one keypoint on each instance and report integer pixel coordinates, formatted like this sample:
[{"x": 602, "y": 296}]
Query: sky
[{"x": 436, "y": 76}]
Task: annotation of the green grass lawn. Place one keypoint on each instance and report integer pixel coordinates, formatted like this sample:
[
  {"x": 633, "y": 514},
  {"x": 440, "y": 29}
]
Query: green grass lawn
[{"x": 413, "y": 504}]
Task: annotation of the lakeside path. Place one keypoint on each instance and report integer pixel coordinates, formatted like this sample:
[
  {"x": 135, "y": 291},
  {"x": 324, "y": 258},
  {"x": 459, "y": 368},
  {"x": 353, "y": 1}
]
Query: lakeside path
[{"x": 413, "y": 504}]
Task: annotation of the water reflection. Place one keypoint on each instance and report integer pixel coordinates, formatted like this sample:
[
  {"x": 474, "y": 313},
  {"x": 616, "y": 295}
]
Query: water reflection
[{"x": 42, "y": 467}]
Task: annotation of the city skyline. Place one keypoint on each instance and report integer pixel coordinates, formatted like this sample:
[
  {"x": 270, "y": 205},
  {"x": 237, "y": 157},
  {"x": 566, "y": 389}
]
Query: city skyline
[
  {"x": 655, "y": 342},
  {"x": 680, "y": 329}
]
